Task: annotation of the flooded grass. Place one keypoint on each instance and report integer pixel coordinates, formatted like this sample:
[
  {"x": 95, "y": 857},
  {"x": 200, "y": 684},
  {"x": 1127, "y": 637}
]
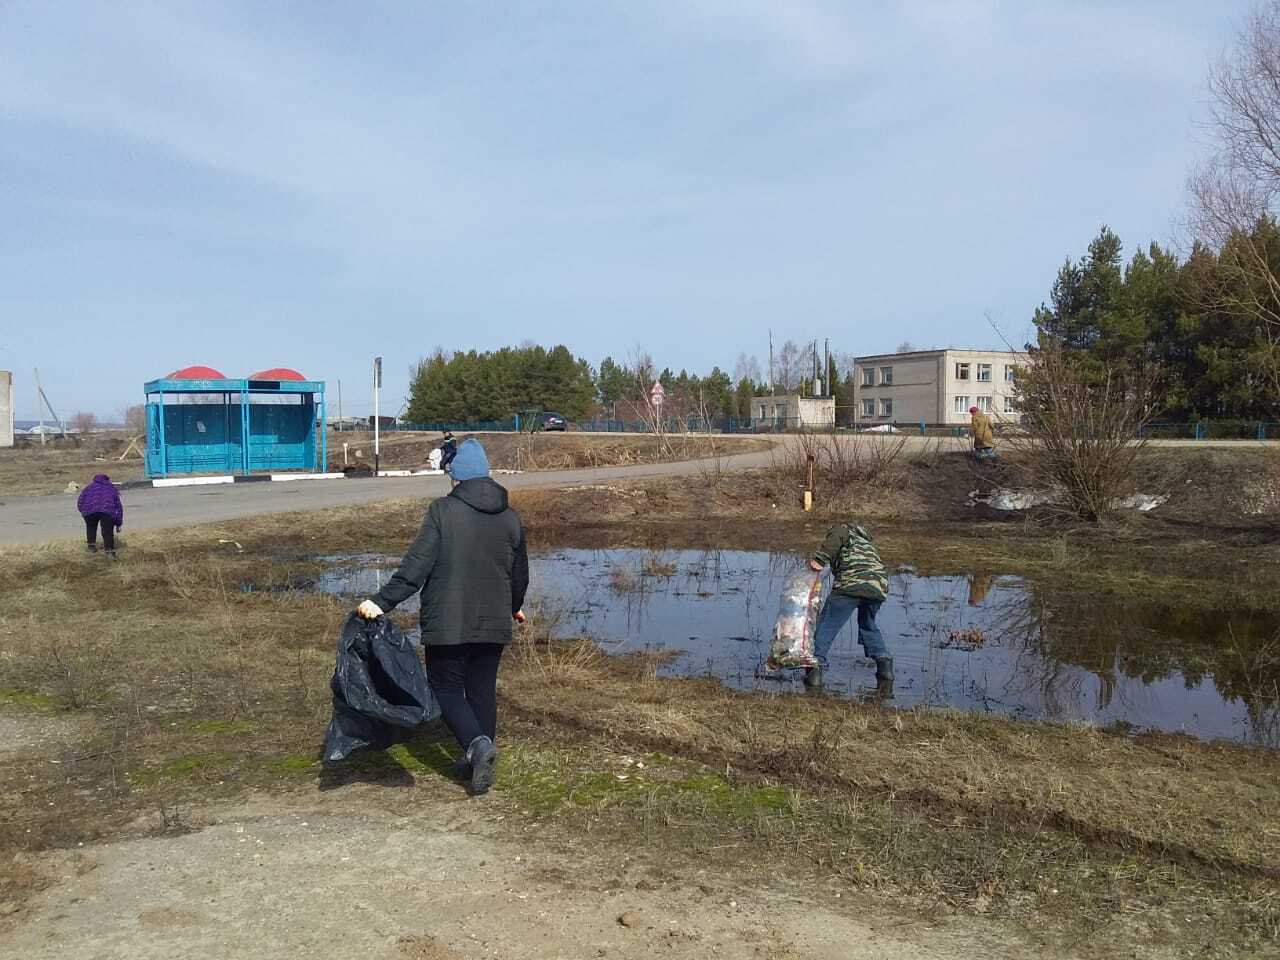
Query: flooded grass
[{"x": 982, "y": 642}]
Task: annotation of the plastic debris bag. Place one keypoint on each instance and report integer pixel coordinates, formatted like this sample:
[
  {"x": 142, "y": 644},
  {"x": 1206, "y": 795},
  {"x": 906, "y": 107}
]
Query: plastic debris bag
[
  {"x": 379, "y": 685},
  {"x": 797, "y": 624}
]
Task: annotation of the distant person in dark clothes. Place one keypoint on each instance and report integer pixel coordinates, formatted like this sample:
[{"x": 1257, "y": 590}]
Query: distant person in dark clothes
[
  {"x": 100, "y": 505},
  {"x": 448, "y": 450},
  {"x": 471, "y": 565}
]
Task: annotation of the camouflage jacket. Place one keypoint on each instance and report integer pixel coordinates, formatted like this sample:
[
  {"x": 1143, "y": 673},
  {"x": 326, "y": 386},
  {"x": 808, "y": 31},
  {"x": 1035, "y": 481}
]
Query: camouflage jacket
[{"x": 856, "y": 567}]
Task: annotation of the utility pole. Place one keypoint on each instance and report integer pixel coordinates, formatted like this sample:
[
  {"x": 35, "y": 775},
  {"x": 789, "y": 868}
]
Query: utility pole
[
  {"x": 377, "y": 409},
  {"x": 771, "y": 393},
  {"x": 39, "y": 408},
  {"x": 42, "y": 396},
  {"x": 826, "y": 366},
  {"x": 339, "y": 404}
]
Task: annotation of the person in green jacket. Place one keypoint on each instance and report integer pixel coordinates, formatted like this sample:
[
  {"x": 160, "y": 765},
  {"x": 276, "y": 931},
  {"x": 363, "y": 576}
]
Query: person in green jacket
[
  {"x": 860, "y": 584},
  {"x": 471, "y": 565}
]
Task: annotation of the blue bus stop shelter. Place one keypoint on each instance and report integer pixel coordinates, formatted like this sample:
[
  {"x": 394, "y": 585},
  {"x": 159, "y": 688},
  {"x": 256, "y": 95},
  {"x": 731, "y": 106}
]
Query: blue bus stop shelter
[{"x": 235, "y": 426}]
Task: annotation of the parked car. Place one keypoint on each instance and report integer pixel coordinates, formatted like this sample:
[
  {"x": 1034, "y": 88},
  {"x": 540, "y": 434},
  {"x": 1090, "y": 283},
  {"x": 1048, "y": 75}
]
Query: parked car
[{"x": 553, "y": 421}]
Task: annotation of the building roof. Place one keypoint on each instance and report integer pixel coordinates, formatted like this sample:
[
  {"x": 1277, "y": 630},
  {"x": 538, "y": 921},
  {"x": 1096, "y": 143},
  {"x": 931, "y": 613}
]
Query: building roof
[
  {"x": 197, "y": 372},
  {"x": 939, "y": 352},
  {"x": 277, "y": 373}
]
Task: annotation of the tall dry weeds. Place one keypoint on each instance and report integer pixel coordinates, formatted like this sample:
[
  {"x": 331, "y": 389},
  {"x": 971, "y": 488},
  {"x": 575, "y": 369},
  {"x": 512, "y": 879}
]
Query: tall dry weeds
[{"x": 841, "y": 462}]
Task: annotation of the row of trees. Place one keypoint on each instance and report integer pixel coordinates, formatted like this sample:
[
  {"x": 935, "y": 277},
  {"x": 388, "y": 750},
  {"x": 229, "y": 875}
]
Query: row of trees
[{"x": 494, "y": 385}]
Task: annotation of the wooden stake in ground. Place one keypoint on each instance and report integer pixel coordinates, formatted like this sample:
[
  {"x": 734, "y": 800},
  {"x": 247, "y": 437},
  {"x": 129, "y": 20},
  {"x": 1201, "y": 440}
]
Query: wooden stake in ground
[
  {"x": 808, "y": 493},
  {"x": 132, "y": 448}
]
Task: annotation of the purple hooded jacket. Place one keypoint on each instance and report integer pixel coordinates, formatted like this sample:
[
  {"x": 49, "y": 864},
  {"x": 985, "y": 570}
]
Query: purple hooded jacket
[{"x": 101, "y": 496}]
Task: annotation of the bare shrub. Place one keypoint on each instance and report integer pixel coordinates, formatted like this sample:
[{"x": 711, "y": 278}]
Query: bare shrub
[
  {"x": 711, "y": 461},
  {"x": 840, "y": 461},
  {"x": 83, "y": 422},
  {"x": 134, "y": 419},
  {"x": 1082, "y": 429}
]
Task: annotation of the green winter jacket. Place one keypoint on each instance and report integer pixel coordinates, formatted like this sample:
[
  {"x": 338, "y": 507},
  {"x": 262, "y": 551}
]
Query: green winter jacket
[
  {"x": 856, "y": 568},
  {"x": 471, "y": 564}
]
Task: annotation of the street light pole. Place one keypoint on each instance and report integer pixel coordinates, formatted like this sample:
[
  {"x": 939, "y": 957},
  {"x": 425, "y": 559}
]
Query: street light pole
[{"x": 377, "y": 409}]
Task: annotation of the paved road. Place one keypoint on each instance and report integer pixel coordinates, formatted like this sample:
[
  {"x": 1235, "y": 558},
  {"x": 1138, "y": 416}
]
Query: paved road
[{"x": 27, "y": 520}]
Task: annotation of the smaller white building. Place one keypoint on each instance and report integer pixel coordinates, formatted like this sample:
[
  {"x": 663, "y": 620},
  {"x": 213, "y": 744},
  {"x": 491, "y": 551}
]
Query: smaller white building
[{"x": 794, "y": 412}]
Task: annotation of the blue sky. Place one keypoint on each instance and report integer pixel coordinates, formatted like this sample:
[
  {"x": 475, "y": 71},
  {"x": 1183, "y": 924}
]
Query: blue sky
[{"x": 308, "y": 184}]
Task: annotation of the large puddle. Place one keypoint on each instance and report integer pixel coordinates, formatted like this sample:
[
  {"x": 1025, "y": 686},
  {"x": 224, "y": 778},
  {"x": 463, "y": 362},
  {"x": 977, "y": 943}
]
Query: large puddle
[{"x": 981, "y": 642}]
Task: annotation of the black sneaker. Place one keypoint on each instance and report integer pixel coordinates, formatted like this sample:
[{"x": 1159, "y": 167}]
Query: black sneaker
[
  {"x": 92, "y": 547},
  {"x": 483, "y": 757},
  {"x": 813, "y": 678}
]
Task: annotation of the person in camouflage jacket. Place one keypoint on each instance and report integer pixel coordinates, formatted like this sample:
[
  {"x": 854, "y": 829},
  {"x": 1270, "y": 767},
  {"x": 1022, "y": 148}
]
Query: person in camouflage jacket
[{"x": 859, "y": 584}]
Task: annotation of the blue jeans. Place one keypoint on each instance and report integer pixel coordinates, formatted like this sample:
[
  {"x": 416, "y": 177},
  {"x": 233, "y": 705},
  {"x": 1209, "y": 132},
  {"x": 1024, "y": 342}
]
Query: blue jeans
[{"x": 836, "y": 613}]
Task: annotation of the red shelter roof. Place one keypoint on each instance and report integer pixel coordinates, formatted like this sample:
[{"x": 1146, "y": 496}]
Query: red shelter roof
[
  {"x": 277, "y": 373},
  {"x": 197, "y": 373}
]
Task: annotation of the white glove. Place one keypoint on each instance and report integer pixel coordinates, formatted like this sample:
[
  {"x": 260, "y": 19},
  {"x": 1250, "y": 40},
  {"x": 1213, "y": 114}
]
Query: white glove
[{"x": 369, "y": 610}]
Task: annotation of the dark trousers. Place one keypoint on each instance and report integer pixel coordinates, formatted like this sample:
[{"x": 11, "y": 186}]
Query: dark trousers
[
  {"x": 464, "y": 678},
  {"x": 108, "y": 530}
]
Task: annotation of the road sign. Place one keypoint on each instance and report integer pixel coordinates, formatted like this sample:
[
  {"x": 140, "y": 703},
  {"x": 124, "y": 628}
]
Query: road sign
[{"x": 657, "y": 395}]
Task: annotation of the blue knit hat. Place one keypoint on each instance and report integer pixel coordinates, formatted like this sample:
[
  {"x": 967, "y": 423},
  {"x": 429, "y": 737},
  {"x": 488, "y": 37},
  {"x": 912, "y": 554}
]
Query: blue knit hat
[{"x": 470, "y": 462}]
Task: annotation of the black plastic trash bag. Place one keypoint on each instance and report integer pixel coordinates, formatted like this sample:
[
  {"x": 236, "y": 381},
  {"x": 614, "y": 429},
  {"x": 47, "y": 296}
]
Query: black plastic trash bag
[{"x": 378, "y": 685}]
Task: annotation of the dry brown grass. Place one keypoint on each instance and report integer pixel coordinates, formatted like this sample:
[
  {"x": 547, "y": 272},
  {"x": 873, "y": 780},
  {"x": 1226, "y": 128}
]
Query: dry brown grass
[
  {"x": 555, "y": 451},
  {"x": 35, "y": 470}
]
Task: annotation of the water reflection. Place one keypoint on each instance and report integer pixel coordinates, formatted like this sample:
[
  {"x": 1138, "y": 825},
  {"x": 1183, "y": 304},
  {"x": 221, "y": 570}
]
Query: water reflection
[{"x": 979, "y": 642}]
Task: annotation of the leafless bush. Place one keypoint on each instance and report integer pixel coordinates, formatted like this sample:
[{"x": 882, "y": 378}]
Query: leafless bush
[
  {"x": 711, "y": 462},
  {"x": 78, "y": 671},
  {"x": 1082, "y": 429},
  {"x": 83, "y": 422},
  {"x": 839, "y": 461}
]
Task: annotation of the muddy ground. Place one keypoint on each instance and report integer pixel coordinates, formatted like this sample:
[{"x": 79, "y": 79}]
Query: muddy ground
[{"x": 166, "y": 724}]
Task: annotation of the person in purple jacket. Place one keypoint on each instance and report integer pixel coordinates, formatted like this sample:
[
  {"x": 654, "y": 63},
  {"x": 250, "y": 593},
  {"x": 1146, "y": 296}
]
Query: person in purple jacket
[{"x": 100, "y": 504}]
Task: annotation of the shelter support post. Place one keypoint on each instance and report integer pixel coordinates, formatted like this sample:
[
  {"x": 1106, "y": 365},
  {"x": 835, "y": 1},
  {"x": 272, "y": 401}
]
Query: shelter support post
[
  {"x": 164, "y": 457},
  {"x": 324, "y": 435},
  {"x": 247, "y": 454}
]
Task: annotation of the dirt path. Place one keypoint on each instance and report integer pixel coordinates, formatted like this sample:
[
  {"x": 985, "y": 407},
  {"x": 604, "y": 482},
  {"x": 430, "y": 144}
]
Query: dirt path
[{"x": 273, "y": 882}]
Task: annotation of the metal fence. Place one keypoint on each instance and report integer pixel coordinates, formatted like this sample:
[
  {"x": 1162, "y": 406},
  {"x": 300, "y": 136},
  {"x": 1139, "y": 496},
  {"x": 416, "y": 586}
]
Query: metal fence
[
  {"x": 1214, "y": 430},
  {"x": 1193, "y": 430}
]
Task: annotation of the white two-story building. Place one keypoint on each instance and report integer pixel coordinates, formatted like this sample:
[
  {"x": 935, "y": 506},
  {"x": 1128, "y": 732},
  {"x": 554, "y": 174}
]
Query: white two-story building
[{"x": 935, "y": 386}]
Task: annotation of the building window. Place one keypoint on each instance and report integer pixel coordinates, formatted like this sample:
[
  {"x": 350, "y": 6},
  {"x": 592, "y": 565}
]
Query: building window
[
  {"x": 984, "y": 373},
  {"x": 868, "y": 408},
  {"x": 868, "y": 376},
  {"x": 961, "y": 404},
  {"x": 1010, "y": 404},
  {"x": 984, "y": 404},
  {"x": 962, "y": 371},
  {"x": 1010, "y": 372},
  {"x": 886, "y": 376},
  {"x": 886, "y": 408}
]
